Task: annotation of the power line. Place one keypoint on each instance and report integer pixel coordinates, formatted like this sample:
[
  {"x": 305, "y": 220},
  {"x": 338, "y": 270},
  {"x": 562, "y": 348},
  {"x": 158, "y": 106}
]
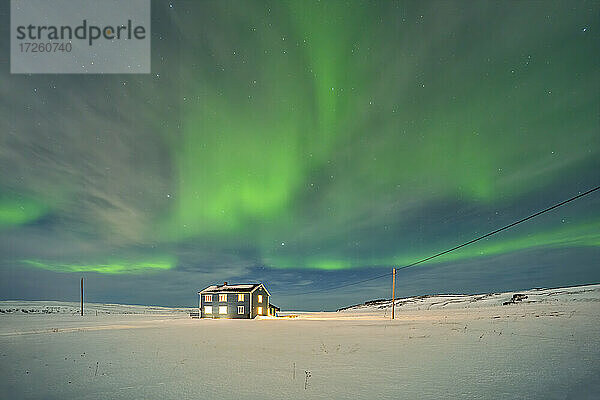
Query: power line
[
  {"x": 562, "y": 203},
  {"x": 343, "y": 285}
]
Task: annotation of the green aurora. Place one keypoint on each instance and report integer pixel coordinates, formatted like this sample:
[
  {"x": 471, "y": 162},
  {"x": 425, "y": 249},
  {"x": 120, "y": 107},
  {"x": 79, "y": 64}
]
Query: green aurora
[
  {"x": 307, "y": 135},
  {"x": 124, "y": 267},
  {"x": 20, "y": 211}
]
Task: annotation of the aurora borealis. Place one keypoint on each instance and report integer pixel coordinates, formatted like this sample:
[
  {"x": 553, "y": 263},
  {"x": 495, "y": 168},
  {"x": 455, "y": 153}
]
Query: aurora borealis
[{"x": 308, "y": 143}]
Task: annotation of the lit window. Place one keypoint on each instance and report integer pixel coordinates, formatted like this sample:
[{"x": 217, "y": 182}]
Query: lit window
[
  {"x": 240, "y": 309},
  {"x": 223, "y": 297},
  {"x": 241, "y": 297},
  {"x": 207, "y": 309},
  {"x": 208, "y": 298},
  {"x": 260, "y": 298},
  {"x": 259, "y": 310},
  {"x": 222, "y": 309}
]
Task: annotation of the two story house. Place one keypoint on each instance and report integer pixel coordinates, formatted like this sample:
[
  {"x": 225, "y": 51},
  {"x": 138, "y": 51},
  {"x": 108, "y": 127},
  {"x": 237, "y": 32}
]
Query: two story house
[{"x": 235, "y": 301}]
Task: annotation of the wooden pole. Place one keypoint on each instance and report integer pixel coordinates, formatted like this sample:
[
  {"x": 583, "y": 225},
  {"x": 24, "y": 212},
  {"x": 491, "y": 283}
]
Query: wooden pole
[
  {"x": 82, "y": 297},
  {"x": 393, "y": 291}
]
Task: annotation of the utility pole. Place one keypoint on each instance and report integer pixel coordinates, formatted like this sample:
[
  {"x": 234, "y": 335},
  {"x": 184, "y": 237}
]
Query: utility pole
[
  {"x": 393, "y": 291},
  {"x": 82, "y": 297}
]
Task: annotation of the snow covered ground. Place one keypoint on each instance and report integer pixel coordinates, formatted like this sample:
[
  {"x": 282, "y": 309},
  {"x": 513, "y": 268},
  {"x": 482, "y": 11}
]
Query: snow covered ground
[
  {"x": 544, "y": 346},
  {"x": 72, "y": 308}
]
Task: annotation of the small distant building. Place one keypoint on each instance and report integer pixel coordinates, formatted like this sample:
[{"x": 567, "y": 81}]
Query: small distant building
[
  {"x": 241, "y": 301},
  {"x": 273, "y": 310}
]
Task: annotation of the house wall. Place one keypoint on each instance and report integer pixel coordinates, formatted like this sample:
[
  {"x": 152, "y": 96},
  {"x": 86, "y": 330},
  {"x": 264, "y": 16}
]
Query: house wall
[
  {"x": 232, "y": 305},
  {"x": 255, "y": 304}
]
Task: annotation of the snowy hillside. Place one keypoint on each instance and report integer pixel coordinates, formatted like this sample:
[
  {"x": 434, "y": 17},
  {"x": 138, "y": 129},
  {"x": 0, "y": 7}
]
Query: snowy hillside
[
  {"x": 64, "y": 307},
  {"x": 589, "y": 293}
]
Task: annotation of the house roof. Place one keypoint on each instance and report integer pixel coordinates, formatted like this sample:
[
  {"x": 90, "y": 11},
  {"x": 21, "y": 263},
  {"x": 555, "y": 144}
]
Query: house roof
[{"x": 247, "y": 287}]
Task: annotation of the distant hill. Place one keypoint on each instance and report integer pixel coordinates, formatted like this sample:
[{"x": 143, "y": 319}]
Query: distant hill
[
  {"x": 573, "y": 293},
  {"x": 65, "y": 307}
]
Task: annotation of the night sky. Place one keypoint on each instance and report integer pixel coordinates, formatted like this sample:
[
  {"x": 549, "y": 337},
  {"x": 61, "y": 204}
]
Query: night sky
[{"x": 309, "y": 144}]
